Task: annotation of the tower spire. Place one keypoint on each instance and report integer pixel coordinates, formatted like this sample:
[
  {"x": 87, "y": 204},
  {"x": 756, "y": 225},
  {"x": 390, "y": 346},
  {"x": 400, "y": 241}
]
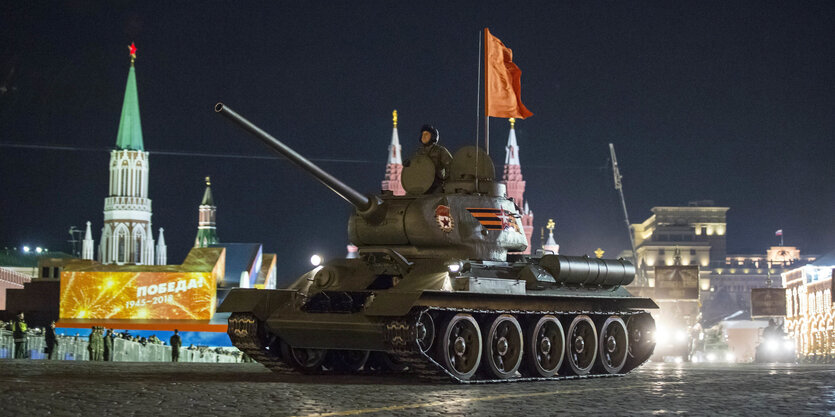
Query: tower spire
[
  {"x": 512, "y": 148},
  {"x": 162, "y": 249},
  {"x": 130, "y": 127},
  {"x": 206, "y": 226},
  {"x": 551, "y": 244},
  {"x": 87, "y": 244},
  {"x": 515, "y": 183},
  {"x": 126, "y": 233},
  {"x": 394, "y": 165}
]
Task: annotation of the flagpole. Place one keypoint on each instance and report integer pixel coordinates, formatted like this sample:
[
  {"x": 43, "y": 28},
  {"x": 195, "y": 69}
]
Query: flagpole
[
  {"x": 486, "y": 117},
  {"x": 477, "y": 102}
]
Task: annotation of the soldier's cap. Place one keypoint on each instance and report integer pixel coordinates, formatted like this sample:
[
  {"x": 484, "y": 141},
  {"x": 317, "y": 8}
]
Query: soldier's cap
[{"x": 431, "y": 129}]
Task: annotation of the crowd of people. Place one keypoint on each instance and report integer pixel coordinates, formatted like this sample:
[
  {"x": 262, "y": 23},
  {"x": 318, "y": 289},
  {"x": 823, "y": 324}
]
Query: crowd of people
[{"x": 100, "y": 341}]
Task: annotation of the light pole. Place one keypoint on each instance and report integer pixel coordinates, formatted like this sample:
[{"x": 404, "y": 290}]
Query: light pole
[{"x": 74, "y": 236}]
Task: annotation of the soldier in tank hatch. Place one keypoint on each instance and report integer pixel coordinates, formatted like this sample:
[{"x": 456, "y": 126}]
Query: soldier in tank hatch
[{"x": 439, "y": 155}]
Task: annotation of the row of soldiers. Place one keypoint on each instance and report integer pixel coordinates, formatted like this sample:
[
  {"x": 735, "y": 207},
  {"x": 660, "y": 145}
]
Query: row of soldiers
[{"x": 100, "y": 344}]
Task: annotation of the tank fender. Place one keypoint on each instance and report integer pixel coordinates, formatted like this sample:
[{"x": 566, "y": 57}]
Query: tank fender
[
  {"x": 391, "y": 303},
  {"x": 262, "y": 303}
]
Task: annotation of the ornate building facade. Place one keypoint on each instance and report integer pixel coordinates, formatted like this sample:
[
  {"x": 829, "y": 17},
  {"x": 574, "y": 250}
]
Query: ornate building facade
[
  {"x": 512, "y": 177},
  {"x": 127, "y": 237},
  {"x": 810, "y": 315}
]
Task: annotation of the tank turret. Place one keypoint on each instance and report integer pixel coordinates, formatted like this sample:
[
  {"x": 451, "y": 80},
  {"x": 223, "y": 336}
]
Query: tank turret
[{"x": 470, "y": 219}]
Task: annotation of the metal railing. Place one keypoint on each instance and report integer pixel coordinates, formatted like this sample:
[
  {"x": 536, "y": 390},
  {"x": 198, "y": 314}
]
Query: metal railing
[{"x": 75, "y": 348}]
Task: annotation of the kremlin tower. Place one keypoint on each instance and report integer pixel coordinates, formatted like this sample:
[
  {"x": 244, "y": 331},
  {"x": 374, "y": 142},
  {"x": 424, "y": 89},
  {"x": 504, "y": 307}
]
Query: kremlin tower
[
  {"x": 206, "y": 226},
  {"x": 126, "y": 236},
  {"x": 394, "y": 167},
  {"x": 512, "y": 177},
  {"x": 395, "y": 163}
]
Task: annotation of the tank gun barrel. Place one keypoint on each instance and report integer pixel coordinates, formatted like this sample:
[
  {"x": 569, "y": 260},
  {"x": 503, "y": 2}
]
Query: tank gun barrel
[{"x": 358, "y": 200}]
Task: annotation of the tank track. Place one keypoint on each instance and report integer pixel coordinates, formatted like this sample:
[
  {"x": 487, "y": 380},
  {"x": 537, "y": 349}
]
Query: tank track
[
  {"x": 244, "y": 333},
  {"x": 401, "y": 338}
]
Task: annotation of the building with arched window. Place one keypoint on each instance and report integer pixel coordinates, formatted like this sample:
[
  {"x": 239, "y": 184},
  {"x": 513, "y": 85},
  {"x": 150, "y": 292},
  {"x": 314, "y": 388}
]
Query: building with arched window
[{"x": 810, "y": 315}]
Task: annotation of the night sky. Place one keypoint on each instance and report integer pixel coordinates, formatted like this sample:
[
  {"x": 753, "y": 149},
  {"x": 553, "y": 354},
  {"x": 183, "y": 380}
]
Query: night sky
[{"x": 726, "y": 101}]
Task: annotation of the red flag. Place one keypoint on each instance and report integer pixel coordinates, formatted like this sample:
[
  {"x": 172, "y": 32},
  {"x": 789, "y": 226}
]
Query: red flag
[{"x": 502, "y": 81}]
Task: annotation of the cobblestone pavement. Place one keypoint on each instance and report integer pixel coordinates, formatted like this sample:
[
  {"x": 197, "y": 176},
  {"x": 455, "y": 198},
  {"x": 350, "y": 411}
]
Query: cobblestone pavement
[{"x": 96, "y": 388}]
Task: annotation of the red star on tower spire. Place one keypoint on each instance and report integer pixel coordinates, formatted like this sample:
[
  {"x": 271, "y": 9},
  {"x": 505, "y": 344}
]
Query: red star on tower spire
[{"x": 132, "y": 49}]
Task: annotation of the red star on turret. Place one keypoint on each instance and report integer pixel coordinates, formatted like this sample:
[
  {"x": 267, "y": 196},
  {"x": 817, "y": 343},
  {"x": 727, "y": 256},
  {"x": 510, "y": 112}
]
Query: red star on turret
[{"x": 132, "y": 48}]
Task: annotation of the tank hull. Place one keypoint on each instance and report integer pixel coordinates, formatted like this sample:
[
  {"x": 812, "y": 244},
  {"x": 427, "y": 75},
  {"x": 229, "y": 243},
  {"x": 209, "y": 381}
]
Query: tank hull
[
  {"x": 270, "y": 325},
  {"x": 365, "y": 330}
]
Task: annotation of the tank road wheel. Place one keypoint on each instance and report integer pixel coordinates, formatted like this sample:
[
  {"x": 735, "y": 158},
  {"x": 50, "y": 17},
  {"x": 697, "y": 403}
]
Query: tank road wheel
[
  {"x": 347, "y": 360},
  {"x": 309, "y": 361},
  {"x": 546, "y": 347},
  {"x": 460, "y": 348},
  {"x": 425, "y": 329},
  {"x": 641, "y": 331},
  {"x": 613, "y": 345},
  {"x": 503, "y": 347},
  {"x": 581, "y": 345}
]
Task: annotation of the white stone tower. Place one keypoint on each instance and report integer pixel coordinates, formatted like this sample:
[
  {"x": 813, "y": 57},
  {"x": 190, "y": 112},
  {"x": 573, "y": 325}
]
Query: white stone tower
[
  {"x": 87, "y": 244},
  {"x": 162, "y": 250},
  {"x": 126, "y": 235}
]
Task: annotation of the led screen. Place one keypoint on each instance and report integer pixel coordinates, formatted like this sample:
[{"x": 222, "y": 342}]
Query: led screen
[{"x": 137, "y": 295}]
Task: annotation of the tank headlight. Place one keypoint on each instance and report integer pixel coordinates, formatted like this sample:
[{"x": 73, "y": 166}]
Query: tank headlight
[
  {"x": 711, "y": 357},
  {"x": 661, "y": 335},
  {"x": 730, "y": 358},
  {"x": 788, "y": 345},
  {"x": 323, "y": 278},
  {"x": 771, "y": 345},
  {"x": 454, "y": 267}
]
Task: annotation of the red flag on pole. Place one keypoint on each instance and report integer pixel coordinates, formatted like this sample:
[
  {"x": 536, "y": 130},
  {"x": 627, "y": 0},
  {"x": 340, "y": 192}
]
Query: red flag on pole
[{"x": 503, "y": 85}]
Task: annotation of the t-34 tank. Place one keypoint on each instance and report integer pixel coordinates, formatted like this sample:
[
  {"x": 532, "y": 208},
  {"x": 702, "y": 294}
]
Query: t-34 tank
[{"x": 435, "y": 294}]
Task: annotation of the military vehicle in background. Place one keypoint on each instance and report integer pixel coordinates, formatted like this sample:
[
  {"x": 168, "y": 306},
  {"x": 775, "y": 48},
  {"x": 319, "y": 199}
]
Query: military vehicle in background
[
  {"x": 434, "y": 292},
  {"x": 776, "y": 345}
]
